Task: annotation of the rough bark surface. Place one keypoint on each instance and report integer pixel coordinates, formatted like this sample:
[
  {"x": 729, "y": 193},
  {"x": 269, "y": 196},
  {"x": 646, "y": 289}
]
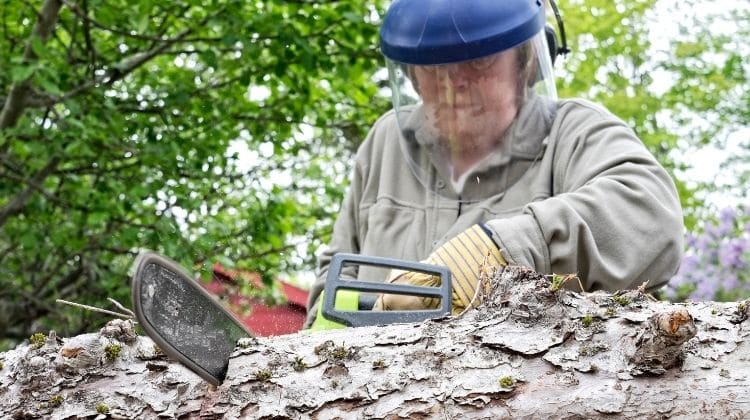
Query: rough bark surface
[{"x": 531, "y": 351}]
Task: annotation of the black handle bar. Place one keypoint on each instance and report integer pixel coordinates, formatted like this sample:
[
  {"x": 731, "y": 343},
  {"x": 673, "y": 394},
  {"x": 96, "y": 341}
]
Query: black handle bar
[{"x": 334, "y": 282}]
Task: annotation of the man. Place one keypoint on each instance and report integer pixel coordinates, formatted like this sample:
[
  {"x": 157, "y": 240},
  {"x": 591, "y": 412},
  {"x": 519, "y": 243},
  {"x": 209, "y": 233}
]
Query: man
[{"x": 479, "y": 163}]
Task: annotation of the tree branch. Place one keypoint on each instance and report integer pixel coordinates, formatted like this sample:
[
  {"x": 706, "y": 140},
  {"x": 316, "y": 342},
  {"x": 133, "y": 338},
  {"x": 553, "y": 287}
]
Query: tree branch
[
  {"x": 582, "y": 355},
  {"x": 19, "y": 201},
  {"x": 154, "y": 38},
  {"x": 89, "y": 43},
  {"x": 117, "y": 71},
  {"x": 15, "y": 103},
  {"x": 38, "y": 187},
  {"x": 88, "y": 169}
]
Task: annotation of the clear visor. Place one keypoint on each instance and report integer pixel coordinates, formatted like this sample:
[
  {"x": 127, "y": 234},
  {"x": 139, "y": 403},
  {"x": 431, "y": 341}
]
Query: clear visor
[{"x": 454, "y": 118}]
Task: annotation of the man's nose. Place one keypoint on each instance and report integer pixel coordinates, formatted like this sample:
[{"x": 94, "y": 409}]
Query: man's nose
[{"x": 459, "y": 74}]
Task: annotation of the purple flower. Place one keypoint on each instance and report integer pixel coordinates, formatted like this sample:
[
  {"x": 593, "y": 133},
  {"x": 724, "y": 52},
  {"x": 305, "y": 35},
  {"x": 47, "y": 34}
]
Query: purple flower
[
  {"x": 711, "y": 232},
  {"x": 705, "y": 289},
  {"x": 716, "y": 264},
  {"x": 732, "y": 253},
  {"x": 689, "y": 264},
  {"x": 703, "y": 244},
  {"x": 691, "y": 239},
  {"x": 726, "y": 221},
  {"x": 726, "y": 216},
  {"x": 730, "y": 282}
]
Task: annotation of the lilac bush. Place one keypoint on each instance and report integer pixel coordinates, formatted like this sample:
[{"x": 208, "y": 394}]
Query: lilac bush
[{"x": 716, "y": 265}]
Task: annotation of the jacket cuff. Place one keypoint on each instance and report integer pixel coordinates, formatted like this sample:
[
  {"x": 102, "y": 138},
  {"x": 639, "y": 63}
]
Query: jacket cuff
[
  {"x": 489, "y": 233},
  {"x": 521, "y": 242}
]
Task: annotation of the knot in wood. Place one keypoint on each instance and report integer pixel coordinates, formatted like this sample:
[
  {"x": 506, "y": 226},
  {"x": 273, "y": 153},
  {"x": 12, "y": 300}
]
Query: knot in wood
[
  {"x": 120, "y": 329},
  {"x": 659, "y": 346},
  {"x": 677, "y": 324}
]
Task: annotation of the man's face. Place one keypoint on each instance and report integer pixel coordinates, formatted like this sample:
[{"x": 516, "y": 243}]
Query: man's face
[{"x": 470, "y": 104}]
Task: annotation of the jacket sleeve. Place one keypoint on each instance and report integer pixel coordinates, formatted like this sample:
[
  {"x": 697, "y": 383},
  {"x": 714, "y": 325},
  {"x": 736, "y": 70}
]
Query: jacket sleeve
[{"x": 614, "y": 216}]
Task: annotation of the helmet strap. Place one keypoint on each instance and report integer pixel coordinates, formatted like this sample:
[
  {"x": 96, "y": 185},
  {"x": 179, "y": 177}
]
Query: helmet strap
[{"x": 554, "y": 49}]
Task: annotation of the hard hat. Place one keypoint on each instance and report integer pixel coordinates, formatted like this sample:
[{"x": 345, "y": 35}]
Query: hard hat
[{"x": 449, "y": 31}]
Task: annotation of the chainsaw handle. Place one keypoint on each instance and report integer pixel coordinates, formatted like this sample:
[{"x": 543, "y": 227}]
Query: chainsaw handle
[{"x": 334, "y": 282}]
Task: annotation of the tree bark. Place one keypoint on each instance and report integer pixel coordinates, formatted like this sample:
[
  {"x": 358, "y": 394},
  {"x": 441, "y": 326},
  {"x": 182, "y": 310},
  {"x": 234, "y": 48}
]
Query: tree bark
[{"x": 530, "y": 351}]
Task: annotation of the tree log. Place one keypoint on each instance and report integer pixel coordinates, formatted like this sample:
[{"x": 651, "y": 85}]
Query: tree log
[{"x": 532, "y": 350}]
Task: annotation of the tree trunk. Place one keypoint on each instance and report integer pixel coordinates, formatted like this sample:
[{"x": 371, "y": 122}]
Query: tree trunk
[{"x": 531, "y": 351}]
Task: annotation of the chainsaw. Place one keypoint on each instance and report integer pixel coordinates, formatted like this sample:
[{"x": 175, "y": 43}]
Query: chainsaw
[{"x": 192, "y": 327}]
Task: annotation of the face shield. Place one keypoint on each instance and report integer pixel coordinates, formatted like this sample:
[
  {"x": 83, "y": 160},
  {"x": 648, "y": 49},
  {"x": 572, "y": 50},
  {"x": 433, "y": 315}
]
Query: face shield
[{"x": 455, "y": 119}]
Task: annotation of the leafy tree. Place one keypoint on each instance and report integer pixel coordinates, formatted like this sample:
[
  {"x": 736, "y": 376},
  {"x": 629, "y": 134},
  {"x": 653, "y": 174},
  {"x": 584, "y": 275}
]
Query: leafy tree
[
  {"x": 709, "y": 101},
  {"x": 611, "y": 64},
  {"x": 209, "y": 131},
  {"x": 681, "y": 94},
  {"x": 221, "y": 130}
]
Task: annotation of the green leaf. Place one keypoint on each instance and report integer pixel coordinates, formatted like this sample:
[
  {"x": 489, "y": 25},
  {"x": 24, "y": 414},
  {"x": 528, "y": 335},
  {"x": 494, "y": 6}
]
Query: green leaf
[
  {"x": 143, "y": 21},
  {"x": 224, "y": 261},
  {"x": 353, "y": 17},
  {"x": 20, "y": 73},
  {"x": 38, "y": 47},
  {"x": 49, "y": 86},
  {"x": 97, "y": 218}
]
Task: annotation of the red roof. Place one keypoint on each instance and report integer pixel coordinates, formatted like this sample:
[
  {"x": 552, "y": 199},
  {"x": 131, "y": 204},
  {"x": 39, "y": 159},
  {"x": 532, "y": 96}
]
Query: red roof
[
  {"x": 261, "y": 319},
  {"x": 294, "y": 294}
]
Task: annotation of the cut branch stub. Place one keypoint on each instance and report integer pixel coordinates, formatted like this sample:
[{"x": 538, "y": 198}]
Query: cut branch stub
[{"x": 660, "y": 345}]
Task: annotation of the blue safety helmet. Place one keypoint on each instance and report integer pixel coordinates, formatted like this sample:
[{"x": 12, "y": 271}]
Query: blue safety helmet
[{"x": 426, "y": 32}]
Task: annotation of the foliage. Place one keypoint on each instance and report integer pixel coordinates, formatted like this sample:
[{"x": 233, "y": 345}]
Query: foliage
[
  {"x": 716, "y": 265},
  {"x": 706, "y": 105},
  {"x": 210, "y": 131},
  {"x": 609, "y": 65},
  {"x": 707, "y": 102},
  {"x": 613, "y": 64},
  {"x": 220, "y": 131}
]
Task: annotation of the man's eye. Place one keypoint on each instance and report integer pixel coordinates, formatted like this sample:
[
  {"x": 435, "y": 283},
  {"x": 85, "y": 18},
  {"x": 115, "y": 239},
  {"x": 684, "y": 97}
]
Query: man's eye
[{"x": 482, "y": 63}]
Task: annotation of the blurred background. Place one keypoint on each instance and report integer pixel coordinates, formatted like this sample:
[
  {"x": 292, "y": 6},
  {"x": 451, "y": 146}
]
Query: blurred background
[{"x": 220, "y": 134}]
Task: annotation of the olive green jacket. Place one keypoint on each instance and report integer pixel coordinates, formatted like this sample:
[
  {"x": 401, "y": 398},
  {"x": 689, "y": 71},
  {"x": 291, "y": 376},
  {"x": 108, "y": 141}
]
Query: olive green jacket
[{"x": 580, "y": 194}]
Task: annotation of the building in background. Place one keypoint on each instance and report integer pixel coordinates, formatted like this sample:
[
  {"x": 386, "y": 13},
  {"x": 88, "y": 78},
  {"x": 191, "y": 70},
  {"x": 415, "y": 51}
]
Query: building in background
[{"x": 261, "y": 319}]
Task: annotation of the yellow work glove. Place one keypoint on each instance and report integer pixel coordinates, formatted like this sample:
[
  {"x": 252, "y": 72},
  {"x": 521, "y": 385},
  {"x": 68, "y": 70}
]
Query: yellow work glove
[{"x": 465, "y": 256}]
